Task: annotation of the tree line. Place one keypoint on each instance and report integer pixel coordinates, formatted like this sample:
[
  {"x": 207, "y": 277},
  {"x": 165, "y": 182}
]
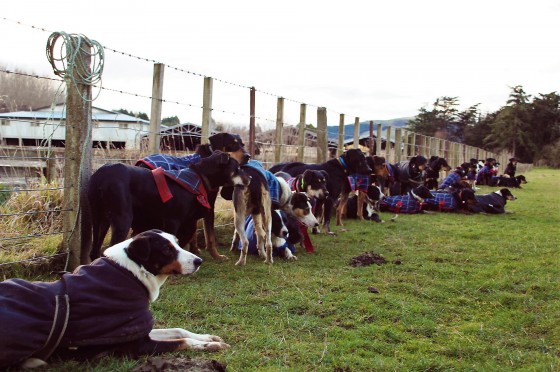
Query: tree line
[{"x": 526, "y": 126}]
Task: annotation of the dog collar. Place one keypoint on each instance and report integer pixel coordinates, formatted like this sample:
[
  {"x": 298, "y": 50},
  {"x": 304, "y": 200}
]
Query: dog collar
[
  {"x": 302, "y": 186},
  {"x": 343, "y": 163}
]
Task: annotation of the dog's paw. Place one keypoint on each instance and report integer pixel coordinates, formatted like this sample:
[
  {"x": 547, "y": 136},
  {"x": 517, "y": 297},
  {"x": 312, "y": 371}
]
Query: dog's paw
[
  {"x": 216, "y": 346},
  {"x": 292, "y": 258},
  {"x": 33, "y": 363},
  {"x": 241, "y": 262}
]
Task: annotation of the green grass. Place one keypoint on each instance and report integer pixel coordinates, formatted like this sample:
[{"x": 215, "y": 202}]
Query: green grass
[{"x": 472, "y": 292}]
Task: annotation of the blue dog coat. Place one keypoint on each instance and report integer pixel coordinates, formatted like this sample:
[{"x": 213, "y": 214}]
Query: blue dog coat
[{"x": 99, "y": 304}]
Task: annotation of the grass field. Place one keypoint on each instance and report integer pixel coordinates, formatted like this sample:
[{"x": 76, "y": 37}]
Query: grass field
[{"x": 458, "y": 292}]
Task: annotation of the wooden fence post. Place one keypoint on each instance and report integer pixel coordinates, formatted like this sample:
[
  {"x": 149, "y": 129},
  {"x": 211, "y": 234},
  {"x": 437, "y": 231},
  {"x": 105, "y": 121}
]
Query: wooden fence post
[
  {"x": 340, "y": 147},
  {"x": 371, "y": 143},
  {"x": 378, "y": 140},
  {"x": 404, "y": 139},
  {"x": 279, "y": 130},
  {"x": 206, "y": 130},
  {"x": 412, "y": 142},
  {"x": 301, "y": 132},
  {"x": 388, "y": 158},
  {"x": 357, "y": 133},
  {"x": 155, "y": 116},
  {"x": 322, "y": 141},
  {"x": 252, "y": 122},
  {"x": 77, "y": 166},
  {"x": 398, "y": 145}
]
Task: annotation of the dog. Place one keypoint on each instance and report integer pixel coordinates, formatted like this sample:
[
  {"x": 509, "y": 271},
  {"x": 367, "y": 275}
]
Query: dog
[
  {"x": 285, "y": 234},
  {"x": 378, "y": 174},
  {"x": 412, "y": 202},
  {"x": 265, "y": 193},
  {"x": 434, "y": 167},
  {"x": 370, "y": 208},
  {"x": 123, "y": 196},
  {"x": 311, "y": 182},
  {"x": 408, "y": 174},
  {"x": 100, "y": 308},
  {"x": 225, "y": 142},
  {"x": 352, "y": 161},
  {"x": 457, "y": 200},
  {"x": 513, "y": 182},
  {"x": 492, "y": 203},
  {"x": 454, "y": 177}
]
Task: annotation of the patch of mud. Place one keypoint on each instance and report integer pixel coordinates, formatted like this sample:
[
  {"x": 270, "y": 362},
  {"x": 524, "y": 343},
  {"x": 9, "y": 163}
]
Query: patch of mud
[
  {"x": 366, "y": 259},
  {"x": 156, "y": 364}
]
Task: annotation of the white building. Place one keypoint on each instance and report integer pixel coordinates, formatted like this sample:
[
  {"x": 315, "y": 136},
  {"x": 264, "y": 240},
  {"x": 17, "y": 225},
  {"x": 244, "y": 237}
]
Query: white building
[{"x": 47, "y": 126}]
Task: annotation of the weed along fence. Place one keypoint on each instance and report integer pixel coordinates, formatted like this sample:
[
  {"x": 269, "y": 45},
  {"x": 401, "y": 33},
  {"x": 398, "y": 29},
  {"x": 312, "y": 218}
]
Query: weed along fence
[{"x": 89, "y": 139}]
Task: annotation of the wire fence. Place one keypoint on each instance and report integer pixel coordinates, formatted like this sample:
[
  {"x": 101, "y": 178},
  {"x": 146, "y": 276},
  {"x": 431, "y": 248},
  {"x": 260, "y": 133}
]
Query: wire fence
[{"x": 33, "y": 144}]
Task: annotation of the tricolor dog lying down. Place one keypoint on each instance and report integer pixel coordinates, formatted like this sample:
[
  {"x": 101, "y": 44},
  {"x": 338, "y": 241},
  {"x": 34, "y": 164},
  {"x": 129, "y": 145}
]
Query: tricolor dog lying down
[{"x": 101, "y": 308}]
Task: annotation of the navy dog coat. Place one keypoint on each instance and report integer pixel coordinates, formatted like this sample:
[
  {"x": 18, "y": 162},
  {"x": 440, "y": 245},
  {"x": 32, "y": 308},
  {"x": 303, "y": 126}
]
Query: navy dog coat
[{"x": 99, "y": 304}]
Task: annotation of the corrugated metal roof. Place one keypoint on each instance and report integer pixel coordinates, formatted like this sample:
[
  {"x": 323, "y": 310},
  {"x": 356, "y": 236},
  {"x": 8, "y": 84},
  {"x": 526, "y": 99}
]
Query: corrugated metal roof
[{"x": 58, "y": 115}]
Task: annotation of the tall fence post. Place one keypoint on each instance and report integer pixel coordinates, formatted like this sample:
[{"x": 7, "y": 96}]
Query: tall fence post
[
  {"x": 378, "y": 140},
  {"x": 371, "y": 143},
  {"x": 398, "y": 145},
  {"x": 279, "y": 130},
  {"x": 404, "y": 139},
  {"x": 206, "y": 110},
  {"x": 252, "y": 122},
  {"x": 322, "y": 139},
  {"x": 388, "y": 158},
  {"x": 301, "y": 132},
  {"x": 413, "y": 144},
  {"x": 357, "y": 133},
  {"x": 340, "y": 147},
  {"x": 155, "y": 116},
  {"x": 77, "y": 165}
]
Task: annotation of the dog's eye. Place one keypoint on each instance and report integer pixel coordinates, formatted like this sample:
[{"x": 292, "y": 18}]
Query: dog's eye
[{"x": 306, "y": 211}]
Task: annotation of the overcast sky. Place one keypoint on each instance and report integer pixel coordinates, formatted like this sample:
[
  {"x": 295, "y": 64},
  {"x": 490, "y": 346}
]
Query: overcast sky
[{"x": 367, "y": 59}]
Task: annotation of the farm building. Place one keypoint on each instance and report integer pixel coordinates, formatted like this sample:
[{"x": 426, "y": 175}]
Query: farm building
[{"x": 47, "y": 126}]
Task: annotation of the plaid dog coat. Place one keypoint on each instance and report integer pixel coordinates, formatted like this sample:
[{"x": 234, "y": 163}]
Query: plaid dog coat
[
  {"x": 176, "y": 169},
  {"x": 400, "y": 204},
  {"x": 99, "y": 304},
  {"x": 443, "y": 201},
  {"x": 358, "y": 182},
  {"x": 452, "y": 178}
]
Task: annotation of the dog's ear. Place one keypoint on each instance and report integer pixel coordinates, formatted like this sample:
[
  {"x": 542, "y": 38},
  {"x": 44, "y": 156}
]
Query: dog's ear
[
  {"x": 325, "y": 174},
  {"x": 217, "y": 141},
  {"x": 223, "y": 158},
  {"x": 139, "y": 249}
]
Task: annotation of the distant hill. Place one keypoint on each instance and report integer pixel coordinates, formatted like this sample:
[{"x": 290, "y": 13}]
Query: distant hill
[{"x": 364, "y": 127}]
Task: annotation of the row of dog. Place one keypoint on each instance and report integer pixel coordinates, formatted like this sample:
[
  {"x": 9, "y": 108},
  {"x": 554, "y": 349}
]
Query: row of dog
[{"x": 103, "y": 307}]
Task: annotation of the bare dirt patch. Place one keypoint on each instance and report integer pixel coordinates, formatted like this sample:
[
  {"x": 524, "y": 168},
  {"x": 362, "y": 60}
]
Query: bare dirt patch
[
  {"x": 367, "y": 258},
  {"x": 156, "y": 364}
]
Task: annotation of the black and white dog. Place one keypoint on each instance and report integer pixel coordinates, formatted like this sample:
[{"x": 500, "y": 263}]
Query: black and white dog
[
  {"x": 370, "y": 208},
  {"x": 101, "y": 308},
  {"x": 492, "y": 203}
]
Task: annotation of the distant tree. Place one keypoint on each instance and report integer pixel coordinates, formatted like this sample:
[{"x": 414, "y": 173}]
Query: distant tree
[
  {"x": 139, "y": 115},
  {"x": 511, "y": 127},
  {"x": 545, "y": 123},
  {"x": 21, "y": 92},
  {"x": 440, "y": 120},
  {"x": 170, "y": 121}
]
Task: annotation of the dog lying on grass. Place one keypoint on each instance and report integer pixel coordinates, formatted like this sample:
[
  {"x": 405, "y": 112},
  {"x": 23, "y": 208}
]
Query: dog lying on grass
[{"x": 101, "y": 308}]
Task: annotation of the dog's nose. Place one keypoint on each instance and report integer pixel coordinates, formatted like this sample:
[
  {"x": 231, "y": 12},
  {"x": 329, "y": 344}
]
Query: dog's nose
[
  {"x": 326, "y": 194},
  {"x": 316, "y": 224},
  {"x": 197, "y": 262}
]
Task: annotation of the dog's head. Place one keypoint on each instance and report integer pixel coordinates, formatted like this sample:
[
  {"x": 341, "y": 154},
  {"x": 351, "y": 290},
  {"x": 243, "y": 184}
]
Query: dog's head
[
  {"x": 466, "y": 197},
  {"x": 230, "y": 143},
  {"x": 506, "y": 194},
  {"x": 221, "y": 169},
  {"x": 521, "y": 179},
  {"x": 438, "y": 164},
  {"x": 422, "y": 192},
  {"x": 314, "y": 183},
  {"x": 418, "y": 162},
  {"x": 301, "y": 208},
  {"x": 378, "y": 165},
  {"x": 279, "y": 228},
  {"x": 155, "y": 251},
  {"x": 354, "y": 161}
]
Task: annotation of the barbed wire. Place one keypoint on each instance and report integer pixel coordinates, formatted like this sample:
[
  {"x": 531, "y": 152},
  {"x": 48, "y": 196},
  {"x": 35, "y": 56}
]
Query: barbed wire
[{"x": 33, "y": 259}]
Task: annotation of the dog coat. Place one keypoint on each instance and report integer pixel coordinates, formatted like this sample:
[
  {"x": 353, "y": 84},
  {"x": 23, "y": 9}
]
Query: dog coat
[
  {"x": 358, "y": 182},
  {"x": 252, "y": 248},
  {"x": 452, "y": 178},
  {"x": 176, "y": 169},
  {"x": 273, "y": 184},
  {"x": 489, "y": 203},
  {"x": 400, "y": 204},
  {"x": 444, "y": 201},
  {"x": 99, "y": 304}
]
